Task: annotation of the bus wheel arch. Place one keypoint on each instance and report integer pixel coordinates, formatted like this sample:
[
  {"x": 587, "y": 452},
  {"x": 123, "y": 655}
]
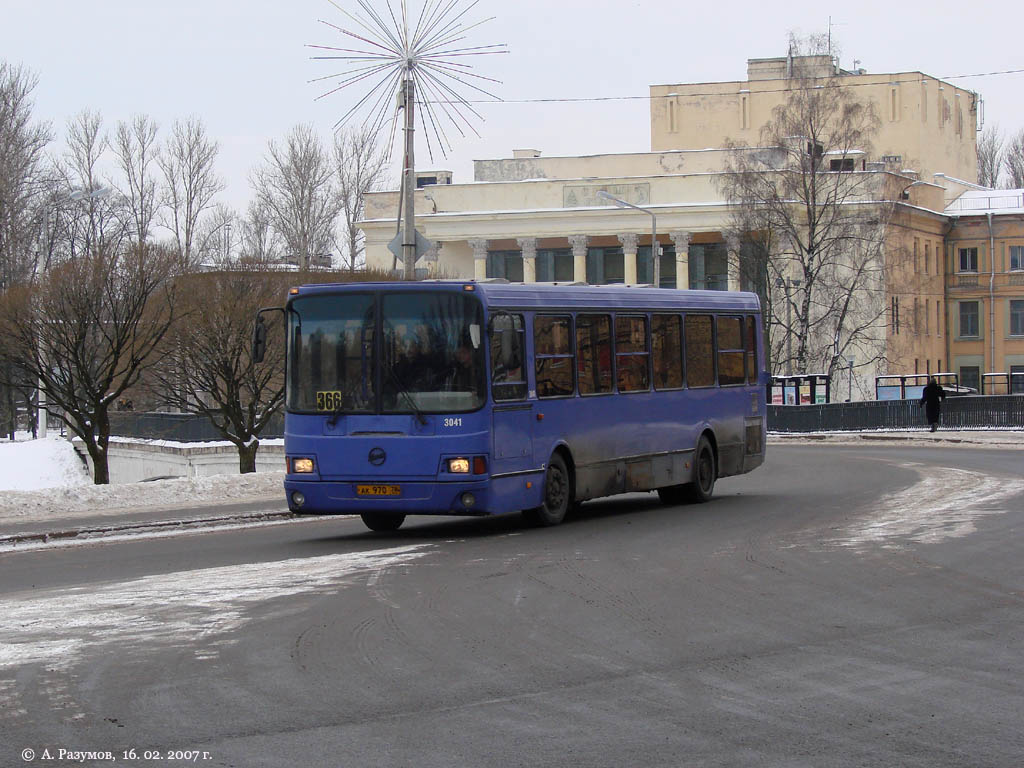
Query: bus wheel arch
[
  {"x": 559, "y": 490},
  {"x": 705, "y": 472}
]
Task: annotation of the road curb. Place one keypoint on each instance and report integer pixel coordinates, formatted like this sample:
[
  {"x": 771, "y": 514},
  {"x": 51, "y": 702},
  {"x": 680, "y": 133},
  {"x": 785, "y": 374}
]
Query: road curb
[
  {"x": 71, "y": 534},
  {"x": 782, "y": 437}
]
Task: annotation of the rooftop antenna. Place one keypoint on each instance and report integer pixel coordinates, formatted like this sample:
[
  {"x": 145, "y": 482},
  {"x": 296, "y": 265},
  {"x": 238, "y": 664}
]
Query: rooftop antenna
[{"x": 397, "y": 56}]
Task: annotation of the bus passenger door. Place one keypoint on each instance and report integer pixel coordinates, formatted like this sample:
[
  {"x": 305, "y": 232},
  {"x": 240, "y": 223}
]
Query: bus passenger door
[{"x": 512, "y": 426}]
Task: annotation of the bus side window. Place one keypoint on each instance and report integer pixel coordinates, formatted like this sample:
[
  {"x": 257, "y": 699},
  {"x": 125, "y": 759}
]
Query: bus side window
[
  {"x": 594, "y": 354},
  {"x": 631, "y": 353},
  {"x": 508, "y": 378},
  {"x": 552, "y": 346},
  {"x": 667, "y": 351},
  {"x": 730, "y": 351},
  {"x": 700, "y": 351},
  {"x": 752, "y": 372}
]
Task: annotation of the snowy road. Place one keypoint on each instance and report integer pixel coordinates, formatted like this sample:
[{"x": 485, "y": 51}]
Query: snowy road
[{"x": 847, "y": 605}]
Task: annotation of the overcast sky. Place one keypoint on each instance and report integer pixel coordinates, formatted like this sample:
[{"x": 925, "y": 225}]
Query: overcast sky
[{"x": 244, "y": 67}]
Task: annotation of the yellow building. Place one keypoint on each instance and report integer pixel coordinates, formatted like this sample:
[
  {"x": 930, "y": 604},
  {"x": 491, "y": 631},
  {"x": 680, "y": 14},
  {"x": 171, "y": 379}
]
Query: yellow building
[
  {"x": 534, "y": 218},
  {"x": 984, "y": 264},
  {"x": 926, "y": 124}
]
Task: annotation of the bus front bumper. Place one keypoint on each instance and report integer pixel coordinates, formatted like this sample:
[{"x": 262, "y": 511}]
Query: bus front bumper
[{"x": 325, "y": 497}]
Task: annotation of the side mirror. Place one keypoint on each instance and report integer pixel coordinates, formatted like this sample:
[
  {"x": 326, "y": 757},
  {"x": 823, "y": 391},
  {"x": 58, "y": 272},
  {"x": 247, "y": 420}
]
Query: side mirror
[{"x": 259, "y": 340}]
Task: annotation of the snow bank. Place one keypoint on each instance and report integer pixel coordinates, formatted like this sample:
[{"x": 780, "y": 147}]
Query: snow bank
[
  {"x": 28, "y": 465},
  {"x": 45, "y": 478}
]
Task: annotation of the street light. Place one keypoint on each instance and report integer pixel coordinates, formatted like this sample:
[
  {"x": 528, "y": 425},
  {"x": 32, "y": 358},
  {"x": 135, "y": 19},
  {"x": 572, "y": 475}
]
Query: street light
[{"x": 655, "y": 249}]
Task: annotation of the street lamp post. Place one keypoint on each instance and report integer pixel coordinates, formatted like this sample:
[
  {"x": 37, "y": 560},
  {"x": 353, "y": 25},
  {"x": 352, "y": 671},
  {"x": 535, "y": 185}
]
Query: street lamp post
[
  {"x": 849, "y": 396},
  {"x": 655, "y": 248}
]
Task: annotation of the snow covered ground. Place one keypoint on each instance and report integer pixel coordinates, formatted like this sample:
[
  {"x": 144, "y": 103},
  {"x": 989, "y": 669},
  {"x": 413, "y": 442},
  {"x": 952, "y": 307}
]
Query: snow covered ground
[{"x": 44, "y": 478}]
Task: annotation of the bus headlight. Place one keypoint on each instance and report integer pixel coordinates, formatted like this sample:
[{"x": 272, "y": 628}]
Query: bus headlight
[
  {"x": 302, "y": 466},
  {"x": 458, "y": 466}
]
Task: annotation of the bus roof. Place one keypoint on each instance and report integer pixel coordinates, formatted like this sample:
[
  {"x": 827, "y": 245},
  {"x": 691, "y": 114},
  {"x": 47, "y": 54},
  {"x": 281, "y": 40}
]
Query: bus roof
[{"x": 503, "y": 295}]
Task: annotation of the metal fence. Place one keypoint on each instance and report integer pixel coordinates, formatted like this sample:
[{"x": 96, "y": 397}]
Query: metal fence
[
  {"x": 968, "y": 412},
  {"x": 181, "y": 427}
]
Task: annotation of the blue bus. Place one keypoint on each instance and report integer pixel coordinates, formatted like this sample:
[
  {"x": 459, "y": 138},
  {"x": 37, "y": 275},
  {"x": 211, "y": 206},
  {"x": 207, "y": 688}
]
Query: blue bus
[{"x": 483, "y": 398}]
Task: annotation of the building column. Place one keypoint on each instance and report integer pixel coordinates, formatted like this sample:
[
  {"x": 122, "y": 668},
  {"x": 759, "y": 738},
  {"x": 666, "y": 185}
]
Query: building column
[
  {"x": 579, "y": 245},
  {"x": 629, "y": 242},
  {"x": 479, "y": 246},
  {"x": 431, "y": 258},
  {"x": 682, "y": 243},
  {"x": 528, "y": 245},
  {"x": 732, "y": 245}
]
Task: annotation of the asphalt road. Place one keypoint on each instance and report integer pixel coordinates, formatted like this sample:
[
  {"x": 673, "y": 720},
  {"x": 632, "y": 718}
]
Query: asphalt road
[{"x": 841, "y": 606}]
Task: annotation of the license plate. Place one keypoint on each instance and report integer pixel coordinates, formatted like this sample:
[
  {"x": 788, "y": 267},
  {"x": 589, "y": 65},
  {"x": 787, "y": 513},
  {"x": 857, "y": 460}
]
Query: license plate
[{"x": 378, "y": 490}]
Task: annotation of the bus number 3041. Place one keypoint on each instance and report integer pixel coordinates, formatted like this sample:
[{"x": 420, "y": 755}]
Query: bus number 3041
[{"x": 453, "y": 422}]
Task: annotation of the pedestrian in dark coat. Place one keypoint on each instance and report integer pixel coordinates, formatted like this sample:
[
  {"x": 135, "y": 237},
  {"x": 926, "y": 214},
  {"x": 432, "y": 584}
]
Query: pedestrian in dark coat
[{"x": 931, "y": 398}]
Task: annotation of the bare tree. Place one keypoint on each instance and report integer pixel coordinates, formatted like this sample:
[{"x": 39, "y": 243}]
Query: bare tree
[
  {"x": 188, "y": 161},
  {"x": 817, "y": 229},
  {"x": 1013, "y": 161},
  {"x": 361, "y": 166},
  {"x": 22, "y": 180},
  {"x": 259, "y": 240},
  {"x": 136, "y": 148},
  {"x": 295, "y": 186},
  {"x": 207, "y": 367},
  {"x": 86, "y": 331},
  {"x": 990, "y": 156}
]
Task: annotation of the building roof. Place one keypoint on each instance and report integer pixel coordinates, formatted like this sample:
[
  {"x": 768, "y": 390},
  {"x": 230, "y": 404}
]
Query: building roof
[{"x": 984, "y": 201}]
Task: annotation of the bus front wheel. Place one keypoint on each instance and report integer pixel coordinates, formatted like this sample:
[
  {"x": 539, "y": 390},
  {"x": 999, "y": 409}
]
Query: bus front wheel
[
  {"x": 383, "y": 522},
  {"x": 557, "y": 490}
]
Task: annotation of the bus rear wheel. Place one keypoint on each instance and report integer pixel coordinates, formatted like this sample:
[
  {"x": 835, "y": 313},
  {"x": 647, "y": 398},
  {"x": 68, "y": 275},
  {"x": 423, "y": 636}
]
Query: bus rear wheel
[
  {"x": 705, "y": 472},
  {"x": 382, "y": 522},
  {"x": 557, "y": 490}
]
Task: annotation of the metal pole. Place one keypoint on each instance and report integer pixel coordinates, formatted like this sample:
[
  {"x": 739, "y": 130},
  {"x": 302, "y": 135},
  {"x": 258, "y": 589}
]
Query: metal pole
[
  {"x": 789, "y": 332},
  {"x": 654, "y": 250},
  {"x": 409, "y": 229}
]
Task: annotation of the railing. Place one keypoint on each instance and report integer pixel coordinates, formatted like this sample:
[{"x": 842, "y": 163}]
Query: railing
[
  {"x": 180, "y": 427},
  {"x": 966, "y": 412},
  {"x": 988, "y": 202}
]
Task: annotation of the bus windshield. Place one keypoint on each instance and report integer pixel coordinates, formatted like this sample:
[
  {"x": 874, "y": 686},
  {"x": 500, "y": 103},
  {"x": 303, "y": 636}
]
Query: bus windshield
[{"x": 429, "y": 357}]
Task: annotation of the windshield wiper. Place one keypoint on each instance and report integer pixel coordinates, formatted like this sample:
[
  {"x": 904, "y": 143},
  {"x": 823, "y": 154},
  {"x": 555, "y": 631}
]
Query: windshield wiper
[
  {"x": 341, "y": 409},
  {"x": 403, "y": 390}
]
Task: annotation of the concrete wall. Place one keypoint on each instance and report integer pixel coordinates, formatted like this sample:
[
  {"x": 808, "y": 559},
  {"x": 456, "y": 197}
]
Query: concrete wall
[{"x": 134, "y": 462}]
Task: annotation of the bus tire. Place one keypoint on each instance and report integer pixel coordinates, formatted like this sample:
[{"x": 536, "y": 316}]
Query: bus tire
[
  {"x": 705, "y": 471},
  {"x": 382, "y": 521},
  {"x": 557, "y": 490}
]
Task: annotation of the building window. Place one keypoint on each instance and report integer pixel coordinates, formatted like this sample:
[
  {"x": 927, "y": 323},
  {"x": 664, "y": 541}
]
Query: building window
[
  {"x": 970, "y": 376},
  {"x": 927, "y": 258},
  {"x": 1017, "y": 379},
  {"x": 969, "y": 319},
  {"x": 1017, "y": 317},
  {"x": 968, "y": 260},
  {"x": 844, "y": 164},
  {"x": 554, "y": 265},
  {"x": 938, "y": 317},
  {"x": 605, "y": 266},
  {"x": 709, "y": 267},
  {"x": 505, "y": 264},
  {"x": 1017, "y": 257},
  {"x": 927, "y": 317}
]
